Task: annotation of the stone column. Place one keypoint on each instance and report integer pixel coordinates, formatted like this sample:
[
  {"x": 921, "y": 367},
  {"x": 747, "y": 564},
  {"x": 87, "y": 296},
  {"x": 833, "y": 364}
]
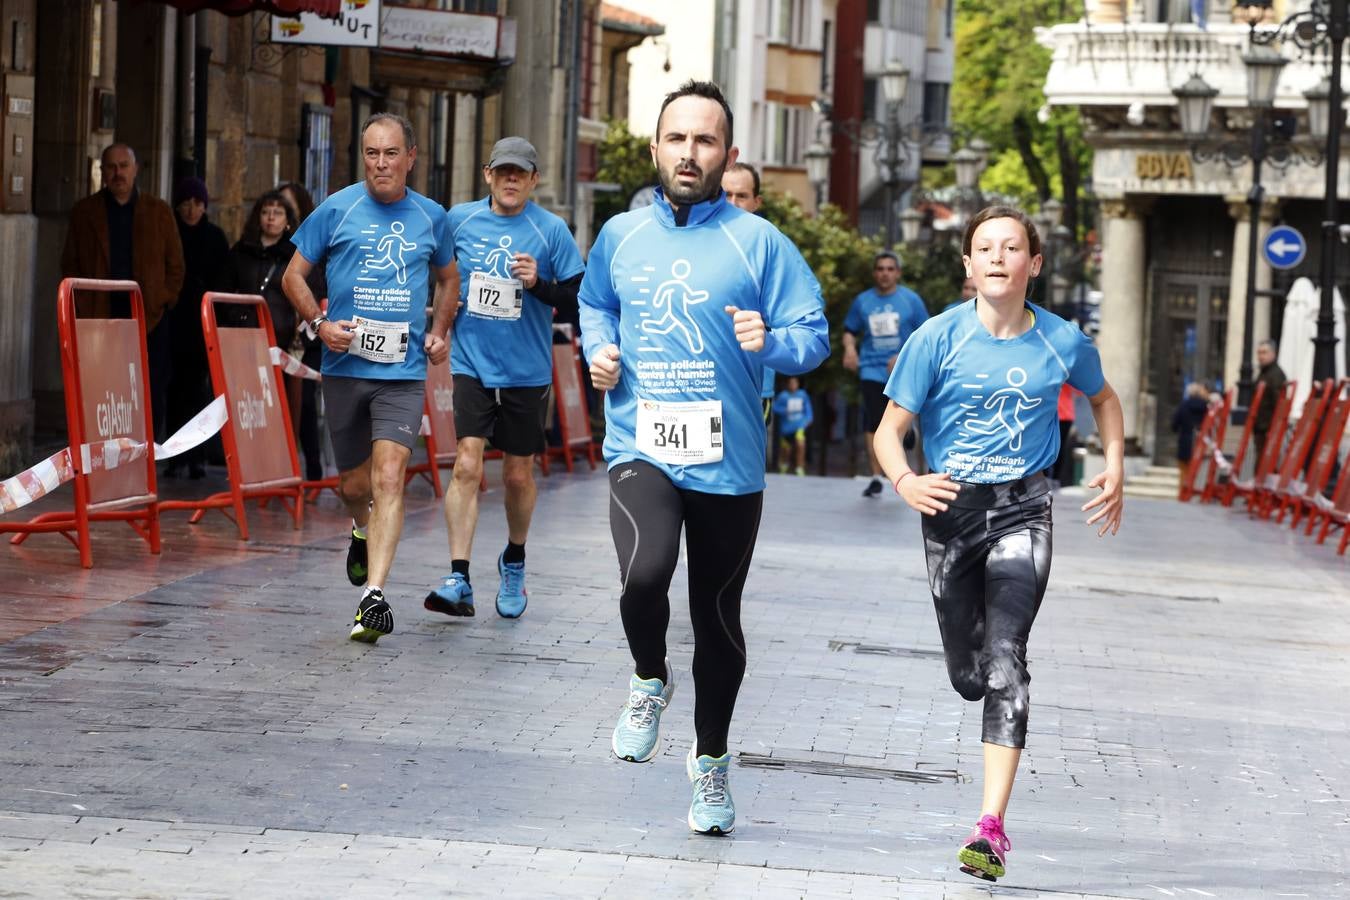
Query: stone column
[
  {"x": 1106, "y": 12},
  {"x": 1237, "y": 286},
  {"x": 1121, "y": 341}
]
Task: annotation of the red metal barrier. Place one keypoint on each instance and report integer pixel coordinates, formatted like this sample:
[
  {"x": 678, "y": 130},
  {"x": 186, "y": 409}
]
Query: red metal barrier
[
  {"x": 259, "y": 444},
  {"x": 103, "y": 369},
  {"x": 439, "y": 407},
  {"x": 574, "y": 420}
]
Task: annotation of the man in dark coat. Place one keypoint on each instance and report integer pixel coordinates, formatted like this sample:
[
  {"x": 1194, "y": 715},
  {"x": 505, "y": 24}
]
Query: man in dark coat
[
  {"x": 1272, "y": 376},
  {"x": 121, "y": 233}
]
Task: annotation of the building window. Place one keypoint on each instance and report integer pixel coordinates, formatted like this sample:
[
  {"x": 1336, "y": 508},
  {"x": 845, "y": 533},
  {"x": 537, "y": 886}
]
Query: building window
[
  {"x": 442, "y": 132},
  {"x": 874, "y": 10},
  {"x": 316, "y": 148},
  {"x": 935, "y": 95},
  {"x": 869, "y": 98}
]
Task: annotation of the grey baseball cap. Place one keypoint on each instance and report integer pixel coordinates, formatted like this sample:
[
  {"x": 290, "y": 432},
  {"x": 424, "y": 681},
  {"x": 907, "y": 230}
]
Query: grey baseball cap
[{"x": 514, "y": 151}]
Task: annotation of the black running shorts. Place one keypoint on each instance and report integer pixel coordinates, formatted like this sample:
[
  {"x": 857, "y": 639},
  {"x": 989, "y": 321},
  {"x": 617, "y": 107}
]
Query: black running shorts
[
  {"x": 511, "y": 418},
  {"x": 874, "y": 402}
]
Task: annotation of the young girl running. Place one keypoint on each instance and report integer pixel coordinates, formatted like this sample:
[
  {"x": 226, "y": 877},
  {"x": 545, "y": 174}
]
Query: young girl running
[{"x": 983, "y": 379}]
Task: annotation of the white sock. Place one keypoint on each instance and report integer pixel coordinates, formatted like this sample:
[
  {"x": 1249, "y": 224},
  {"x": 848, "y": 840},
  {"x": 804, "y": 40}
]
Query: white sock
[
  {"x": 371, "y": 588},
  {"x": 358, "y": 531}
]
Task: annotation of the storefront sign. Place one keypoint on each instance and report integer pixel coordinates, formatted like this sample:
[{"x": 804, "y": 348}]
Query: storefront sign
[
  {"x": 1163, "y": 165},
  {"x": 357, "y": 25},
  {"x": 441, "y": 33}
]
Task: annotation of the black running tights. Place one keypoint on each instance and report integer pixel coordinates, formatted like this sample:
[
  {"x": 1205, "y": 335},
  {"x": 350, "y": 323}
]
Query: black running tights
[
  {"x": 988, "y": 564},
  {"x": 646, "y": 513}
]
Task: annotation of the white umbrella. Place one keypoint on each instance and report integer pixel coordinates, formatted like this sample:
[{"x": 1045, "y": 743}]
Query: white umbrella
[{"x": 1296, "y": 334}]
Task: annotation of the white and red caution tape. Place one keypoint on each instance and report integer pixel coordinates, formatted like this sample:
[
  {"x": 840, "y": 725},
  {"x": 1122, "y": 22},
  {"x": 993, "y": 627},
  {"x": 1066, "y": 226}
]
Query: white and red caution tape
[
  {"x": 426, "y": 426},
  {"x": 103, "y": 456},
  {"x": 292, "y": 366}
]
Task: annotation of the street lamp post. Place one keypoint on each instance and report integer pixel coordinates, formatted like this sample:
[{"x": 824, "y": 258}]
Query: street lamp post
[
  {"x": 894, "y": 84},
  {"x": 1322, "y": 22},
  {"x": 818, "y": 170},
  {"x": 1195, "y": 101}
]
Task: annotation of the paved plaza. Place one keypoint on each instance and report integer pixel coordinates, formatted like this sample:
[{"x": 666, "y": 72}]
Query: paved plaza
[{"x": 198, "y": 725}]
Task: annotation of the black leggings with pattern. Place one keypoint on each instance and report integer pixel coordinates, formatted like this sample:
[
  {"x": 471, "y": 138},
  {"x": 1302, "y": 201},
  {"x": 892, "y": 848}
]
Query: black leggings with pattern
[
  {"x": 988, "y": 563},
  {"x": 646, "y": 514}
]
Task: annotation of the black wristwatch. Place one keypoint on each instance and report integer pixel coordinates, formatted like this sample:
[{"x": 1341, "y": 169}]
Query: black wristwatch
[{"x": 315, "y": 322}]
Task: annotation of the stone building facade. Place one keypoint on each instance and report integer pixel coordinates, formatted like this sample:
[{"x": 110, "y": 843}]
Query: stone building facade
[{"x": 1174, "y": 228}]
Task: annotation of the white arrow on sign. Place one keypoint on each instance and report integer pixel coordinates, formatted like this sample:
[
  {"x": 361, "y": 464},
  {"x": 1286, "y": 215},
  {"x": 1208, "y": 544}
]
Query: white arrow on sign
[{"x": 1280, "y": 248}]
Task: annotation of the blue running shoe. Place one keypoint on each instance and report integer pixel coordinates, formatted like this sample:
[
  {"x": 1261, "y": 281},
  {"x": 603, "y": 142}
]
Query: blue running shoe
[
  {"x": 511, "y": 597},
  {"x": 711, "y": 811},
  {"x": 453, "y": 598},
  {"x": 638, "y": 734}
]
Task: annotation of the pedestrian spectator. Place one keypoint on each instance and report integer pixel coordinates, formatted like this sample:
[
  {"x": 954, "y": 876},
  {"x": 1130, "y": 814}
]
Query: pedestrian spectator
[
  {"x": 879, "y": 322},
  {"x": 984, "y": 379},
  {"x": 1187, "y": 417},
  {"x": 518, "y": 263},
  {"x": 1061, "y": 473},
  {"x": 381, "y": 241},
  {"x": 205, "y": 253},
  {"x": 967, "y": 293},
  {"x": 257, "y": 262},
  {"x": 793, "y": 408},
  {"x": 683, "y": 303},
  {"x": 122, "y": 233},
  {"x": 1272, "y": 376},
  {"x": 307, "y": 420}
]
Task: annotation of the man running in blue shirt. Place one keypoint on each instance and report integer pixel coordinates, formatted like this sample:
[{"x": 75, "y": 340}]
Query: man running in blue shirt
[
  {"x": 684, "y": 438},
  {"x": 518, "y": 262},
  {"x": 379, "y": 239},
  {"x": 878, "y": 323}
]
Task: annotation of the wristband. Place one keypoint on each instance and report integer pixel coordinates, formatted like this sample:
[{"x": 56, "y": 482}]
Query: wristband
[{"x": 902, "y": 478}]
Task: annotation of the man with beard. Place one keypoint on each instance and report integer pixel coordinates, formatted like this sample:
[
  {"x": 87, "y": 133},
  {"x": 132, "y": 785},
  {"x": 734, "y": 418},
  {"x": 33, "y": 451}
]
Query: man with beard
[{"x": 683, "y": 304}]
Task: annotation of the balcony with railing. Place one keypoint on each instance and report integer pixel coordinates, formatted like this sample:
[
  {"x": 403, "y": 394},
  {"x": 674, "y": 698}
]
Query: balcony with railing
[{"x": 1120, "y": 64}]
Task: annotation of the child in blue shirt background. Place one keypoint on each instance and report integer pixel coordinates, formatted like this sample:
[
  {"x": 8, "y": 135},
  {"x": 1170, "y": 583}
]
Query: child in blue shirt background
[{"x": 792, "y": 406}]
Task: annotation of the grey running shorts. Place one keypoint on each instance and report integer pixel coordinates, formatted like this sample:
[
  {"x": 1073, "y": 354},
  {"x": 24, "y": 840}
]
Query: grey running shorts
[{"x": 361, "y": 411}]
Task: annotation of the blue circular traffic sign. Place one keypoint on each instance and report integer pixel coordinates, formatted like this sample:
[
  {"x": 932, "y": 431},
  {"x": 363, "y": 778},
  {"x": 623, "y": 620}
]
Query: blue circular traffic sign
[{"x": 1284, "y": 247}]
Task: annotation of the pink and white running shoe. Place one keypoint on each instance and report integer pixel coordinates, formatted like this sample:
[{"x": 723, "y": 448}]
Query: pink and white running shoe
[{"x": 982, "y": 854}]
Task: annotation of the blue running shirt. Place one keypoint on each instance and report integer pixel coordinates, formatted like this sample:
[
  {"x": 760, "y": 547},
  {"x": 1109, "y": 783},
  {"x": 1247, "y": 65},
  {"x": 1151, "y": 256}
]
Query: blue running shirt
[
  {"x": 378, "y": 256},
  {"x": 884, "y": 322},
  {"x": 793, "y": 409},
  {"x": 987, "y": 407},
  {"x": 507, "y": 350},
  {"x": 658, "y": 291}
]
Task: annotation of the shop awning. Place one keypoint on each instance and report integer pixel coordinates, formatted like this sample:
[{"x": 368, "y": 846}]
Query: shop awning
[{"x": 240, "y": 7}]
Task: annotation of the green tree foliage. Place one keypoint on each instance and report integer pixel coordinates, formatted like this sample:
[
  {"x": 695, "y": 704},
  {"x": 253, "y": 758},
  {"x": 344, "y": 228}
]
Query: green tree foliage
[
  {"x": 997, "y": 92},
  {"x": 934, "y": 273},
  {"x": 842, "y": 261},
  {"x": 625, "y": 160}
]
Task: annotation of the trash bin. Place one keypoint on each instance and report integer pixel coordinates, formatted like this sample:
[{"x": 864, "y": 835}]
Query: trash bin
[{"x": 1079, "y": 463}]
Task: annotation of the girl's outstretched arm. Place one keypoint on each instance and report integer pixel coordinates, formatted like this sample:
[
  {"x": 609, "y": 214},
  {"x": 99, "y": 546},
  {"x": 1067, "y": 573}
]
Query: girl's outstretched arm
[{"x": 1110, "y": 503}]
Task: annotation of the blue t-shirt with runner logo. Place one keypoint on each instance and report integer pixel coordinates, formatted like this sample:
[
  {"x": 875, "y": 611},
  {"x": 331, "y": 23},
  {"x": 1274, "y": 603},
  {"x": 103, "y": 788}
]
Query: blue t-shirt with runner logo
[
  {"x": 793, "y": 409},
  {"x": 884, "y": 322},
  {"x": 377, "y": 267},
  {"x": 688, "y": 397},
  {"x": 987, "y": 407},
  {"x": 500, "y": 343}
]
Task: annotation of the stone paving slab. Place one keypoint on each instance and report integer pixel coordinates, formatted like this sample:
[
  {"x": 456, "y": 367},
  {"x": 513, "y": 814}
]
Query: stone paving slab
[{"x": 1185, "y": 736}]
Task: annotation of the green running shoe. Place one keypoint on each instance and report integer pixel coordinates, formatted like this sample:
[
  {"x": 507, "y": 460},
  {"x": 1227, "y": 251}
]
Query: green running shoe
[
  {"x": 374, "y": 618},
  {"x": 356, "y": 560}
]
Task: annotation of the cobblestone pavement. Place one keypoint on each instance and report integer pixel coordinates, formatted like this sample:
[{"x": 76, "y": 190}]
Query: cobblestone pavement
[{"x": 218, "y": 735}]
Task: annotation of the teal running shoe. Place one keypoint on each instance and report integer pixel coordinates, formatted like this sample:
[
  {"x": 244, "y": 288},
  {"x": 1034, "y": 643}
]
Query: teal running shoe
[
  {"x": 637, "y": 737},
  {"x": 453, "y": 598},
  {"x": 711, "y": 811},
  {"x": 511, "y": 597}
]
